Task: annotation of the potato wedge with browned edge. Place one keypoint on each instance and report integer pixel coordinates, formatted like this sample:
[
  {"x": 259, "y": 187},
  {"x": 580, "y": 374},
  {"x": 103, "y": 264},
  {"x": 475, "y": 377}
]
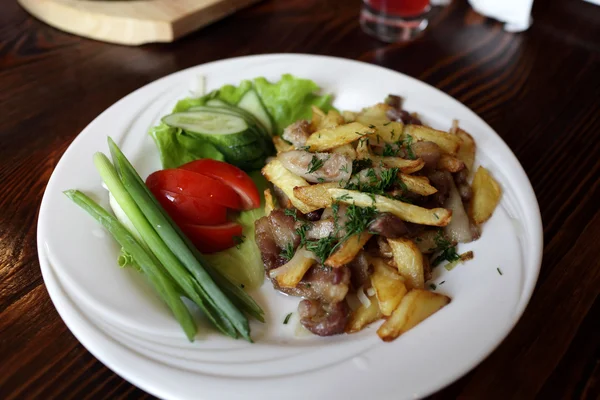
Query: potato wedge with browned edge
[
  {"x": 486, "y": 196},
  {"x": 466, "y": 152},
  {"x": 409, "y": 261},
  {"x": 404, "y": 211},
  {"x": 270, "y": 204},
  {"x": 363, "y": 316},
  {"x": 388, "y": 284},
  {"x": 292, "y": 272},
  {"x": 286, "y": 181},
  {"x": 326, "y": 139},
  {"x": 415, "y": 307},
  {"x": 316, "y": 195},
  {"x": 348, "y": 250}
]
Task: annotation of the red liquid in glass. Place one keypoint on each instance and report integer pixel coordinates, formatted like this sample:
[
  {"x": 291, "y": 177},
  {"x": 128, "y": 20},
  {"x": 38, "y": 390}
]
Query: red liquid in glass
[{"x": 399, "y": 8}]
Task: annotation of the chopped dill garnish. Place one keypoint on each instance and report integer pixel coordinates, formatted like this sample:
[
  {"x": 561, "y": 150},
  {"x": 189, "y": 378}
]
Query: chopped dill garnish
[
  {"x": 288, "y": 251},
  {"x": 291, "y": 212},
  {"x": 446, "y": 249},
  {"x": 322, "y": 248},
  {"x": 500, "y": 272},
  {"x": 315, "y": 164},
  {"x": 432, "y": 286},
  {"x": 287, "y": 319}
]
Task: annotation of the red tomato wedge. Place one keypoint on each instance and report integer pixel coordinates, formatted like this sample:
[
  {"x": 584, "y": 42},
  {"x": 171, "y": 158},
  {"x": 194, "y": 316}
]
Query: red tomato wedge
[
  {"x": 231, "y": 176},
  {"x": 191, "y": 210},
  {"x": 194, "y": 185},
  {"x": 210, "y": 239}
]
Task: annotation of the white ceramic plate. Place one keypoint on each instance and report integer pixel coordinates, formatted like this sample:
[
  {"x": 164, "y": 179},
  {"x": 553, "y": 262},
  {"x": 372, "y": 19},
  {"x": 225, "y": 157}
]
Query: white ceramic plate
[{"x": 485, "y": 304}]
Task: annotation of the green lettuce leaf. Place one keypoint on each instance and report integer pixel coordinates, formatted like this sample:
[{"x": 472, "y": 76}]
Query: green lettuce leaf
[
  {"x": 243, "y": 264},
  {"x": 290, "y": 99},
  {"x": 178, "y": 147}
]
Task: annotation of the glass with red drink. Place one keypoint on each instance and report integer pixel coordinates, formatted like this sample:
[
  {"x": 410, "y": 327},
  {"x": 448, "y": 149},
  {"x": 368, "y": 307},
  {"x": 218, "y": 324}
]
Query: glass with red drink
[{"x": 394, "y": 20}]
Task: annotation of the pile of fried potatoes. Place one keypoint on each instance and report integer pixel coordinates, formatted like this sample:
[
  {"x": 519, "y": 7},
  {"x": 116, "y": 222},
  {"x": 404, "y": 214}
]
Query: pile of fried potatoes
[{"x": 397, "y": 294}]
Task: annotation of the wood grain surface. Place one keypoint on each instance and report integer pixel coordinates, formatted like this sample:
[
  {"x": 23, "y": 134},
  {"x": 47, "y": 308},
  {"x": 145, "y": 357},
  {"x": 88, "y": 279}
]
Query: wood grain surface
[{"x": 540, "y": 90}]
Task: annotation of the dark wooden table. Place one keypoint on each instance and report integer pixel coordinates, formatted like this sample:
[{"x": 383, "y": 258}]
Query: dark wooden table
[{"x": 540, "y": 90}]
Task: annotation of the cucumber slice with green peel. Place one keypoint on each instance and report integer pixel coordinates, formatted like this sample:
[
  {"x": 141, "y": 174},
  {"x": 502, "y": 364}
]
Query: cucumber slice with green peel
[
  {"x": 251, "y": 103},
  {"x": 233, "y": 110},
  {"x": 217, "y": 103},
  {"x": 207, "y": 122}
]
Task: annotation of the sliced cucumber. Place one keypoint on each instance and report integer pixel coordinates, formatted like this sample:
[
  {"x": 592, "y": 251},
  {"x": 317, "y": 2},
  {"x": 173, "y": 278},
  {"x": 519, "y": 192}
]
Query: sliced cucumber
[
  {"x": 251, "y": 103},
  {"x": 217, "y": 103},
  {"x": 233, "y": 110},
  {"x": 207, "y": 122}
]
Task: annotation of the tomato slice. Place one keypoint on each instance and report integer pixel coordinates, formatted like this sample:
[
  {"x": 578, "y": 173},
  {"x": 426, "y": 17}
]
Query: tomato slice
[
  {"x": 210, "y": 239},
  {"x": 231, "y": 176},
  {"x": 192, "y": 210},
  {"x": 194, "y": 185}
]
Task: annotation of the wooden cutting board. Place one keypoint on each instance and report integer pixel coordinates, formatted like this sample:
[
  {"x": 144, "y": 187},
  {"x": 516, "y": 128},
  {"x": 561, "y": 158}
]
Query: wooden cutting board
[{"x": 132, "y": 22}]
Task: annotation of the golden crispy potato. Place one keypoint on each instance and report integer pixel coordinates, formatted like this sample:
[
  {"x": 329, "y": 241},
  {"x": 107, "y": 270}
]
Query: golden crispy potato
[
  {"x": 417, "y": 184},
  {"x": 349, "y": 116},
  {"x": 449, "y": 143},
  {"x": 450, "y": 163},
  {"x": 426, "y": 241},
  {"x": 292, "y": 272},
  {"x": 316, "y": 195},
  {"x": 466, "y": 152},
  {"x": 409, "y": 261},
  {"x": 281, "y": 145},
  {"x": 333, "y": 119},
  {"x": 404, "y": 165},
  {"x": 346, "y": 150},
  {"x": 363, "y": 316},
  {"x": 486, "y": 196},
  {"x": 270, "y": 204},
  {"x": 416, "y": 306},
  {"x": 279, "y": 176},
  {"x": 348, "y": 250},
  {"x": 388, "y": 284},
  {"x": 376, "y": 113},
  {"x": 317, "y": 117},
  {"x": 404, "y": 211},
  {"x": 326, "y": 139}
]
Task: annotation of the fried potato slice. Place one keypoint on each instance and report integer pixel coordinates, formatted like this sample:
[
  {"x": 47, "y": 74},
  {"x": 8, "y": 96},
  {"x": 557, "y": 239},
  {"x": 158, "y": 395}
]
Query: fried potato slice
[
  {"x": 450, "y": 163},
  {"x": 409, "y": 261},
  {"x": 316, "y": 195},
  {"x": 317, "y": 117},
  {"x": 415, "y": 307},
  {"x": 292, "y": 272},
  {"x": 333, "y": 119},
  {"x": 349, "y": 116},
  {"x": 404, "y": 211},
  {"x": 388, "y": 284},
  {"x": 346, "y": 150},
  {"x": 348, "y": 250},
  {"x": 466, "y": 152},
  {"x": 404, "y": 165},
  {"x": 363, "y": 316},
  {"x": 417, "y": 184},
  {"x": 279, "y": 176},
  {"x": 449, "y": 143},
  {"x": 270, "y": 204},
  {"x": 281, "y": 145},
  {"x": 486, "y": 196},
  {"x": 325, "y": 139}
]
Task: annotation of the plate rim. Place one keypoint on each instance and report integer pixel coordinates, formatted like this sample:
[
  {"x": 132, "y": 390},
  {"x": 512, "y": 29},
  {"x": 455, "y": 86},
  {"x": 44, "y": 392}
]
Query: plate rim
[{"x": 536, "y": 235}]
